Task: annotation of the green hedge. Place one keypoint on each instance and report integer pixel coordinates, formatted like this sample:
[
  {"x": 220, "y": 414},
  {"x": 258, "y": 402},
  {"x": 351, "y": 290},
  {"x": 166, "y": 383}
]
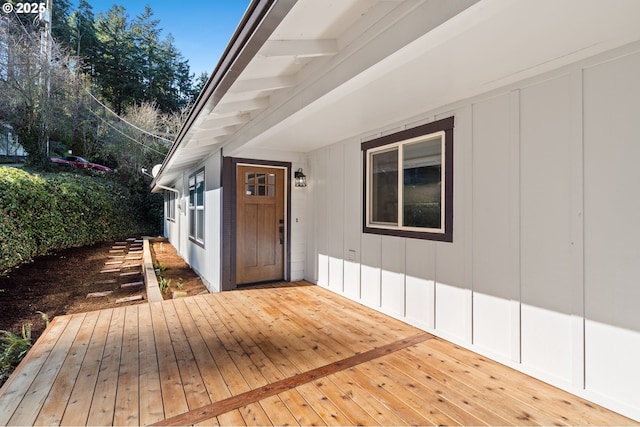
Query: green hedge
[{"x": 42, "y": 212}]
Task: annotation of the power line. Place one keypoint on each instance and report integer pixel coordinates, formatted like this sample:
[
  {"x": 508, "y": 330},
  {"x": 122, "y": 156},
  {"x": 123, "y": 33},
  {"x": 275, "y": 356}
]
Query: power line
[
  {"x": 103, "y": 105},
  {"x": 129, "y": 123},
  {"x": 125, "y": 135}
]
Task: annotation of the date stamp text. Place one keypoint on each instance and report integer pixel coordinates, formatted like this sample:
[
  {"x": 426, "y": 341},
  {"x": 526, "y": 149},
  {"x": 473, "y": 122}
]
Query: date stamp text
[{"x": 24, "y": 8}]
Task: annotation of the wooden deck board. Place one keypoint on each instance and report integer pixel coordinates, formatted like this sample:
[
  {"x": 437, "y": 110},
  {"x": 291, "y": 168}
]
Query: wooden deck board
[
  {"x": 54, "y": 407},
  {"x": 173, "y": 394},
  {"x": 192, "y": 382},
  {"x": 104, "y": 395},
  {"x": 77, "y": 410},
  {"x": 36, "y": 395},
  {"x": 151, "y": 407},
  {"x": 127, "y": 411},
  {"x": 272, "y": 355}
]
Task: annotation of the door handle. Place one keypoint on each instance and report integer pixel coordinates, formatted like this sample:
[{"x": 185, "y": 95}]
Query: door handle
[{"x": 281, "y": 229}]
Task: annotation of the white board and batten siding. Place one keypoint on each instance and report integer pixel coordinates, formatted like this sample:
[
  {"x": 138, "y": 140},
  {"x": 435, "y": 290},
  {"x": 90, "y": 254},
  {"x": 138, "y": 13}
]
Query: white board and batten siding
[
  {"x": 544, "y": 267},
  {"x": 206, "y": 259}
]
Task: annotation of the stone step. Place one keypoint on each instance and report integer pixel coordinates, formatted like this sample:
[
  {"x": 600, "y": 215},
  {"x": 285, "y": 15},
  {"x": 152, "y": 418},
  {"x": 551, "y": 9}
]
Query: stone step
[
  {"x": 99, "y": 294},
  {"x": 130, "y": 266},
  {"x": 129, "y": 299},
  {"x": 110, "y": 270},
  {"x": 130, "y": 273},
  {"x": 105, "y": 282},
  {"x": 113, "y": 262},
  {"x": 131, "y": 285}
]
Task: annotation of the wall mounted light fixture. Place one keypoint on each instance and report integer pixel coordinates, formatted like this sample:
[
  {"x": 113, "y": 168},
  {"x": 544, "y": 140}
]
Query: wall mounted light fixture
[{"x": 300, "y": 178}]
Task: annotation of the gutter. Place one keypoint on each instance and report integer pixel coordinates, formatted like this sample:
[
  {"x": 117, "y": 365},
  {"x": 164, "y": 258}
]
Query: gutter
[
  {"x": 258, "y": 23},
  {"x": 163, "y": 187}
]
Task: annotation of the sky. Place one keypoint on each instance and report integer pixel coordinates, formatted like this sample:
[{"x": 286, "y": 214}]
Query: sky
[{"x": 201, "y": 28}]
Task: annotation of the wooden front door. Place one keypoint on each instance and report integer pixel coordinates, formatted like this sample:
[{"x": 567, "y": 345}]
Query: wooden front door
[{"x": 260, "y": 224}]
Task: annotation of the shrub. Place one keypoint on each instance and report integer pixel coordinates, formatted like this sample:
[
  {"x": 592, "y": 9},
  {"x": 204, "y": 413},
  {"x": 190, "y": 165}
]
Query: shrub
[
  {"x": 44, "y": 212},
  {"x": 13, "y": 348}
]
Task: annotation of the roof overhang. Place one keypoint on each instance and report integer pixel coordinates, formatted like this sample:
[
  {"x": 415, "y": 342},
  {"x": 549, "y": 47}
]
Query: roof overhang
[{"x": 298, "y": 75}]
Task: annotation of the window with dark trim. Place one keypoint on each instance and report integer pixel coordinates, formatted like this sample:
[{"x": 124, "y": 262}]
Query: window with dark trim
[
  {"x": 408, "y": 182},
  {"x": 196, "y": 206},
  {"x": 170, "y": 205}
]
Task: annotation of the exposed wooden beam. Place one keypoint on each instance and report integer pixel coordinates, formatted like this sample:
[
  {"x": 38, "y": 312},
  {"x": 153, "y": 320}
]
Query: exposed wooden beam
[
  {"x": 255, "y": 85},
  {"x": 299, "y": 48},
  {"x": 239, "y": 106},
  {"x": 203, "y": 137},
  {"x": 216, "y": 122}
]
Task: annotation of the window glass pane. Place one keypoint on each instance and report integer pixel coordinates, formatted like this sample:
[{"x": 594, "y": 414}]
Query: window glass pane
[
  {"x": 384, "y": 187},
  {"x": 200, "y": 227},
  {"x": 261, "y": 190},
  {"x": 249, "y": 190},
  {"x": 271, "y": 190},
  {"x": 261, "y": 178},
  {"x": 422, "y": 189},
  {"x": 271, "y": 180},
  {"x": 200, "y": 192},
  {"x": 192, "y": 222},
  {"x": 249, "y": 178}
]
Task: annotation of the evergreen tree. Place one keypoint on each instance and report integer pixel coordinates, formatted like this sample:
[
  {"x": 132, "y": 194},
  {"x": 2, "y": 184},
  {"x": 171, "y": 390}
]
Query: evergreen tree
[
  {"x": 84, "y": 42},
  {"x": 60, "y": 29},
  {"x": 197, "y": 86},
  {"x": 173, "y": 81},
  {"x": 146, "y": 35},
  {"x": 117, "y": 63}
]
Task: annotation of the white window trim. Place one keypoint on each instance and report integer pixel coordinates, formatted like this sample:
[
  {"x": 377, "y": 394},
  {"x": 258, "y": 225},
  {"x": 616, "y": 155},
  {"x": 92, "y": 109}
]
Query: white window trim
[{"x": 194, "y": 237}]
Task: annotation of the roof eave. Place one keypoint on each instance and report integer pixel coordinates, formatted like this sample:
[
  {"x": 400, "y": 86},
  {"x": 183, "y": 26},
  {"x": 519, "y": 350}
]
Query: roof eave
[{"x": 259, "y": 21}]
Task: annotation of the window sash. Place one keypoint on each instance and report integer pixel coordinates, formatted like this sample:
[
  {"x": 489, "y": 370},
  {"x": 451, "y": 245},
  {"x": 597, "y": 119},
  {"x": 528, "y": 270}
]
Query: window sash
[
  {"x": 399, "y": 223},
  {"x": 196, "y": 206},
  {"x": 170, "y": 205}
]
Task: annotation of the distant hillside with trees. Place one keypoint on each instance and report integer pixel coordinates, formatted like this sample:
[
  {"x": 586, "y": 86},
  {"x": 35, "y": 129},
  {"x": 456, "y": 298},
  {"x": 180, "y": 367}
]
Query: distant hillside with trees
[
  {"x": 101, "y": 85},
  {"x": 66, "y": 82}
]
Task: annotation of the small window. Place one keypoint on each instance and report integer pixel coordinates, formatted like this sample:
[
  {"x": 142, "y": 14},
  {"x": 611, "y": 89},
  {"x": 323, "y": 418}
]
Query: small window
[
  {"x": 196, "y": 206},
  {"x": 259, "y": 184},
  {"x": 170, "y": 205},
  {"x": 408, "y": 183}
]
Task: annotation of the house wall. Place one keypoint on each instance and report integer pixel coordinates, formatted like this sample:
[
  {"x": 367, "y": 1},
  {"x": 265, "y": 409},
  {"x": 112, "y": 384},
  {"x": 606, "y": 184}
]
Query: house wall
[
  {"x": 543, "y": 269},
  {"x": 206, "y": 261},
  {"x": 203, "y": 259}
]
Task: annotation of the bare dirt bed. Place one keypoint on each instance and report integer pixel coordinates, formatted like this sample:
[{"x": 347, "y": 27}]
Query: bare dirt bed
[{"x": 58, "y": 284}]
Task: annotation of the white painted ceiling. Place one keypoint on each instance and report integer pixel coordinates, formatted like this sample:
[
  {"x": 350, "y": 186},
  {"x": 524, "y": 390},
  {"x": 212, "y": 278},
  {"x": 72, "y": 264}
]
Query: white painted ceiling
[{"x": 335, "y": 68}]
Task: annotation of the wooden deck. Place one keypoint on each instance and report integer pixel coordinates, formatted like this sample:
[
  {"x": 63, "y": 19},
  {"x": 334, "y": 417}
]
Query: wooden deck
[{"x": 280, "y": 355}]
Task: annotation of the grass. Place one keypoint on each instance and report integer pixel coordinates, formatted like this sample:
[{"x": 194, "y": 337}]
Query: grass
[{"x": 13, "y": 348}]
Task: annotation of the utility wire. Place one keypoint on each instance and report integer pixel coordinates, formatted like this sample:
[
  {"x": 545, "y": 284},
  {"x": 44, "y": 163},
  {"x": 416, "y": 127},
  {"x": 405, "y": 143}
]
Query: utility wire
[
  {"x": 125, "y": 135},
  {"x": 92, "y": 96},
  {"x": 129, "y": 123}
]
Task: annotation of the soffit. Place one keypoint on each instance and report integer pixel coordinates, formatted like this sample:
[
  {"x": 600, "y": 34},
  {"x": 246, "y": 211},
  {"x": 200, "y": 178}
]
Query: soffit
[
  {"x": 333, "y": 68},
  {"x": 488, "y": 46}
]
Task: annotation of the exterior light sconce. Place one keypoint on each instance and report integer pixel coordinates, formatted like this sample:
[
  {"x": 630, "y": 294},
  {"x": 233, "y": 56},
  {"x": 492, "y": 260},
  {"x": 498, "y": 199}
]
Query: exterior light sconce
[{"x": 300, "y": 178}]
